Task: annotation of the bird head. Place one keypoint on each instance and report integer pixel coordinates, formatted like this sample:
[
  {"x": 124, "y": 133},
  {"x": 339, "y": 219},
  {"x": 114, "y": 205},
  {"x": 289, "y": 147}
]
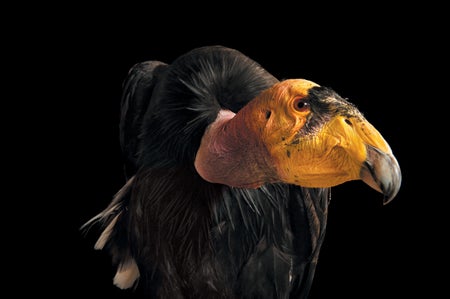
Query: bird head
[{"x": 300, "y": 133}]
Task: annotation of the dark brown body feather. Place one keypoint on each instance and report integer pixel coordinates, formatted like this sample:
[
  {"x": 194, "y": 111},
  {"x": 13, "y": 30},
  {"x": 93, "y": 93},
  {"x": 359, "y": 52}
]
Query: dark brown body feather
[{"x": 191, "y": 238}]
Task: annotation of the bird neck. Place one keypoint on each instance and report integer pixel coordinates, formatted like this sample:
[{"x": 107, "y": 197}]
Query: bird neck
[{"x": 232, "y": 154}]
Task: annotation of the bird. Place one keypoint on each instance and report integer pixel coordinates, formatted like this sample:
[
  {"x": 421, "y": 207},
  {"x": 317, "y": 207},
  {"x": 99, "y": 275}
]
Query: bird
[{"x": 228, "y": 177}]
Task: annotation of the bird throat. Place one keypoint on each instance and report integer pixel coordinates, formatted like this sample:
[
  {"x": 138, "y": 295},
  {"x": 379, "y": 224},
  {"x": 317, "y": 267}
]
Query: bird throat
[{"x": 231, "y": 153}]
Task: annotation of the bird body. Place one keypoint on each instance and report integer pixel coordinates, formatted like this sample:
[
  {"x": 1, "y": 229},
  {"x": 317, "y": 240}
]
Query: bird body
[{"x": 229, "y": 173}]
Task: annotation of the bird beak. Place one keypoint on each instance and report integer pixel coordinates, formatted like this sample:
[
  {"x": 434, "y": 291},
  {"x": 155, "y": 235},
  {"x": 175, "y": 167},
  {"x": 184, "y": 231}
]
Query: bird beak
[{"x": 380, "y": 170}]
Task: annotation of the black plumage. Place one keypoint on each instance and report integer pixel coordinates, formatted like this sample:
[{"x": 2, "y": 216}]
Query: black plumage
[{"x": 190, "y": 238}]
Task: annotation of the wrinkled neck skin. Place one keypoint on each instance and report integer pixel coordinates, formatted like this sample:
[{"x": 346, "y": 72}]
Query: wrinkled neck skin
[{"x": 232, "y": 154}]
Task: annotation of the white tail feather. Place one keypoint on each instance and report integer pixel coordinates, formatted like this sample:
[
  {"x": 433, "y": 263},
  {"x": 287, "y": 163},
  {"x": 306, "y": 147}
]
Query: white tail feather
[
  {"x": 104, "y": 237},
  {"x": 113, "y": 206},
  {"x": 126, "y": 275}
]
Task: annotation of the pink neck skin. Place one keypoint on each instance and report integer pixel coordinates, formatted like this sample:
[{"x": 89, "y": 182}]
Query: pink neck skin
[{"x": 231, "y": 154}]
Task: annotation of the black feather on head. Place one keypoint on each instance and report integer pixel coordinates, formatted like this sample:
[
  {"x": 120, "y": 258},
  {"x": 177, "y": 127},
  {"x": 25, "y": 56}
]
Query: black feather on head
[{"x": 188, "y": 98}]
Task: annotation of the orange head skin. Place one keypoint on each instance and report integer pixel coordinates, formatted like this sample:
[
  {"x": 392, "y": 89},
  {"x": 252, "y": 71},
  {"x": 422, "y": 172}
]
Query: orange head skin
[{"x": 299, "y": 133}]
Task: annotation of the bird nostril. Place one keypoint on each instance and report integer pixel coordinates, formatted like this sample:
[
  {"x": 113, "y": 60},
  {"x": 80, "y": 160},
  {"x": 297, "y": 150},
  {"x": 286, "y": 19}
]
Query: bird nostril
[{"x": 348, "y": 122}]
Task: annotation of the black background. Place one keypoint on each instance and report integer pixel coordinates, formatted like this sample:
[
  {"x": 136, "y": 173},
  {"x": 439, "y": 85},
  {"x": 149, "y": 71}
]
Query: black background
[{"x": 370, "y": 250}]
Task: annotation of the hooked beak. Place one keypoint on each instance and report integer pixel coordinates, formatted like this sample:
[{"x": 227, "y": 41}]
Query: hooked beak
[{"x": 381, "y": 171}]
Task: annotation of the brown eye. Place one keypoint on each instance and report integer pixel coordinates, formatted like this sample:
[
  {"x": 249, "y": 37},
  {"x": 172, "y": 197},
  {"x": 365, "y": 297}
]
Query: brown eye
[{"x": 301, "y": 105}]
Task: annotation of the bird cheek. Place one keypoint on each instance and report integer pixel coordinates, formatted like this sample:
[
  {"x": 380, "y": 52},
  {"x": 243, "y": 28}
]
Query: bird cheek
[
  {"x": 279, "y": 132},
  {"x": 324, "y": 160}
]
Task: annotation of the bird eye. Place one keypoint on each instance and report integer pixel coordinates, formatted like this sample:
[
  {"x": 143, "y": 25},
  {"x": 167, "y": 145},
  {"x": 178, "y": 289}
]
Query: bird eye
[{"x": 301, "y": 104}]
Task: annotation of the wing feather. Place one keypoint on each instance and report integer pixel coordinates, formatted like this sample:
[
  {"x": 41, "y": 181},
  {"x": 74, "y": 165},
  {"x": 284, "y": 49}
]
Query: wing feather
[{"x": 137, "y": 92}]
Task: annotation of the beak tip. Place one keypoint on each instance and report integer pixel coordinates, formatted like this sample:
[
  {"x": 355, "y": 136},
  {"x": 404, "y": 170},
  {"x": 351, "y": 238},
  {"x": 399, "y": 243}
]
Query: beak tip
[
  {"x": 392, "y": 191},
  {"x": 382, "y": 172},
  {"x": 387, "y": 199}
]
